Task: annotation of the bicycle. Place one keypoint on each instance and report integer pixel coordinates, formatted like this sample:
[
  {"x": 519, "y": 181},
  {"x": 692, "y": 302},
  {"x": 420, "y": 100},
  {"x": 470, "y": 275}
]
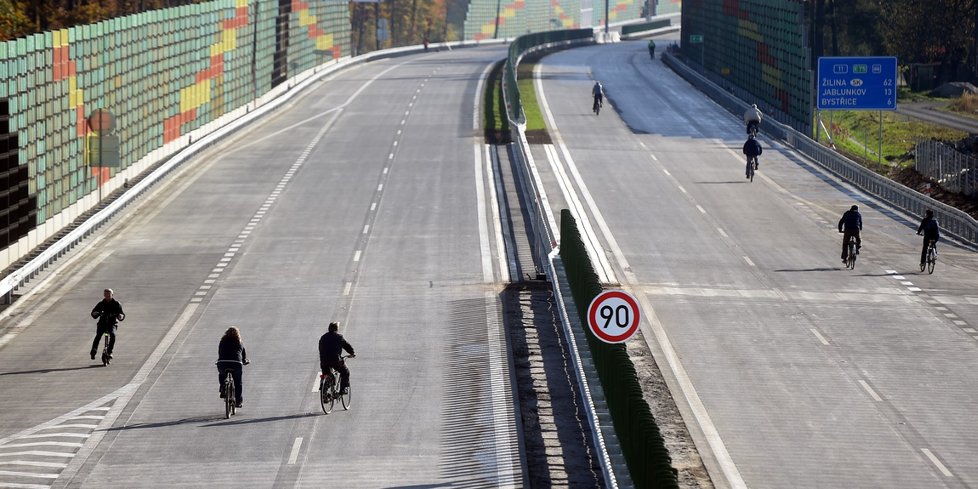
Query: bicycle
[
  {"x": 931, "y": 257},
  {"x": 230, "y": 406},
  {"x": 752, "y": 128},
  {"x": 106, "y": 358},
  {"x": 329, "y": 390},
  {"x": 851, "y": 253},
  {"x": 751, "y": 167},
  {"x": 598, "y": 103}
]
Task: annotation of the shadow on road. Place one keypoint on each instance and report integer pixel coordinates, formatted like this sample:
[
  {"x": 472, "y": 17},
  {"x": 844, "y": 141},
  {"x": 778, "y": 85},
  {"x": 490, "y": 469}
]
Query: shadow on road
[
  {"x": 257, "y": 420},
  {"x": 823, "y": 269},
  {"x": 49, "y": 370}
]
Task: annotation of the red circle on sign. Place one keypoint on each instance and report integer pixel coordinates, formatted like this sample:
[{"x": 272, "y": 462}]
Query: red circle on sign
[{"x": 618, "y": 305}]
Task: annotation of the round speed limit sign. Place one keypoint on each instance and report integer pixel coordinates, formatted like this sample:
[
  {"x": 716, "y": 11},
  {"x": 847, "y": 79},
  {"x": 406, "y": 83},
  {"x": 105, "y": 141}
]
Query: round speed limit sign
[{"x": 613, "y": 316}]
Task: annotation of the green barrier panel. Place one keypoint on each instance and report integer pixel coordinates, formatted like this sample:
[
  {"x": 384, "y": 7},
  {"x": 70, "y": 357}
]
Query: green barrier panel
[
  {"x": 645, "y": 26},
  {"x": 649, "y": 463}
]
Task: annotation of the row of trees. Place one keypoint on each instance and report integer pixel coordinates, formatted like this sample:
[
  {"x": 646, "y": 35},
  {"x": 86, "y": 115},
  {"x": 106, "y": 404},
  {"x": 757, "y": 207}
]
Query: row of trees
[
  {"x": 915, "y": 31},
  {"x": 21, "y": 17}
]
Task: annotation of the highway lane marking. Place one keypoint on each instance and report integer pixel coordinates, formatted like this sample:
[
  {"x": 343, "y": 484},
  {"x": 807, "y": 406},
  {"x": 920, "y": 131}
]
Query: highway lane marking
[
  {"x": 386, "y": 169},
  {"x": 44, "y": 443},
  {"x": 31, "y": 463},
  {"x": 653, "y": 157},
  {"x": 723, "y": 233},
  {"x": 749, "y": 262},
  {"x": 701, "y": 209},
  {"x": 55, "y": 435},
  {"x": 380, "y": 187},
  {"x": 315, "y": 382},
  {"x": 820, "y": 337},
  {"x": 666, "y": 172},
  {"x": 492, "y": 158},
  {"x": 937, "y": 463},
  {"x": 914, "y": 289},
  {"x": 366, "y": 228},
  {"x": 681, "y": 189},
  {"x": 38, "y": 453},
  {"x": 295, "y": 451},
  {"x": 962, "y": 323},
  {"x": 25, "y": 474},
  {"x": 347, "y": 287},
  {"x": 870, "y": 390},
  {"x": 480, "y": 194},
  {"x": 373, "y": 206},
  {"x": 356, "y": 256},
  {"x": 966, "y": 330}
]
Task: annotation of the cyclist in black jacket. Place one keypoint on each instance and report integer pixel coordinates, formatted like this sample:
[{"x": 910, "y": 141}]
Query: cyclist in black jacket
[
  {"x": 850, "y": 225},
  {"x": 109, "y": 312},
  {"x": 932, "y": 232},
  {"x": 231, "y": 354},
  {"x": 331, "y": 346}
]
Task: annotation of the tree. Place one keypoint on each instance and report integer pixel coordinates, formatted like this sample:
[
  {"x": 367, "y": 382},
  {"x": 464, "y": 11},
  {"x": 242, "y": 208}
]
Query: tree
[
  {"x": 929, "y": 31},
  {"x": 14, "y": 22}
]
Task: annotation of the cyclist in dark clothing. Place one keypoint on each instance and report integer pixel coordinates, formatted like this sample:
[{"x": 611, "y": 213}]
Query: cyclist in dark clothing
[
  {"x": 850, "y": 225},
  {"x": 331, "y": 346},
  {"x": 752, "y": 148},
  {"x": 109, "y": 312},
  {"x": 231, "y": 354},
  {"x": 932, "y": 232}
]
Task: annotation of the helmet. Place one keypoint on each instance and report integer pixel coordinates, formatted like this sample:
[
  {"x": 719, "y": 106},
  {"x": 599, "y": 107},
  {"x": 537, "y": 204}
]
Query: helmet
[
  {"x": 854, "y": 208},
  {"x": 753, "y": 105}
]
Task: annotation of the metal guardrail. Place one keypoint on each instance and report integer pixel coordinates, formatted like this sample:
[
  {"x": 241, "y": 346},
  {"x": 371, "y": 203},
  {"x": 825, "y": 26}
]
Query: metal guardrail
[
  {"x": 954, "y": 222},
  {"x": 954, "y": 170}
]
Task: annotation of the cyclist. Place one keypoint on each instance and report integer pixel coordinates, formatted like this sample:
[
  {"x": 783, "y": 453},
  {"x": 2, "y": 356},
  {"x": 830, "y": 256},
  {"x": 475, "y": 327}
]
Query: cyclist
[
  {"x": 752, "y": 117},
  {"x": 752, "y": 148},
  {"x": 850, "y": 225},
  {"x": 598, "y": 92},
  {"x": 109, "y": 312},
  {"x": 231, "y": 354},
  {"x": 931, "y": 231},
  {"x": 652, "y": 48},
  {"x": 331, "y": 346}
]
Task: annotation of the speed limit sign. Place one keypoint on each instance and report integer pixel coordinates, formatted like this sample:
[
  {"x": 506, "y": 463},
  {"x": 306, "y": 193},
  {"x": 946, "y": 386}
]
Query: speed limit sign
[{"x": 613, "y": 316}]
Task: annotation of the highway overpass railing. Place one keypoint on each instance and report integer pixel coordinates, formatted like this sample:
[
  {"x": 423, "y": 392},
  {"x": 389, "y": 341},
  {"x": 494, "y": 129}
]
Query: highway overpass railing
[{"x": 954, "y": 222}]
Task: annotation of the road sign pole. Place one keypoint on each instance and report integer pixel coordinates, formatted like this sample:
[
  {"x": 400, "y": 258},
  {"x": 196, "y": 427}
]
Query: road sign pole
[{"x": 881, "y": 139}]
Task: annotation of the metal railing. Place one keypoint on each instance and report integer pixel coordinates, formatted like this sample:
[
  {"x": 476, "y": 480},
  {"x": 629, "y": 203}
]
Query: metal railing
[
  {"x": 954, "y": 222},
  {"x": 952, "y": 169}
]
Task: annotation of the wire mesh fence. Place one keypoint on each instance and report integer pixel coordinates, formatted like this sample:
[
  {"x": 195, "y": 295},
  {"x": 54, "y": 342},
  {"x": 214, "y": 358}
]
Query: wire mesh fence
[{"x": 953, "y": 170}]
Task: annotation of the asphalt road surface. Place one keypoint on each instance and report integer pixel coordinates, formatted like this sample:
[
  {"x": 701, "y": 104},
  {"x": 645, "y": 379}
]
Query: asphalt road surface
[
  {"x": 790, "y": 370},
  {"x": 365, "y": 202}
]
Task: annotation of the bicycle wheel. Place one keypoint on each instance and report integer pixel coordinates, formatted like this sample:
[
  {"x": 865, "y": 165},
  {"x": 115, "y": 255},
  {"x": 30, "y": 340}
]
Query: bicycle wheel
[
  {"x": 326, "y": 397},
  {"x": 345, "y": 398},
  {"x": 228, "y": 396},
  {"x": 851, "y": 259},
  {"x": 931, "y": 260},
  {"x": 105, "y": 351},
  {"x": 750, "y": 170}
]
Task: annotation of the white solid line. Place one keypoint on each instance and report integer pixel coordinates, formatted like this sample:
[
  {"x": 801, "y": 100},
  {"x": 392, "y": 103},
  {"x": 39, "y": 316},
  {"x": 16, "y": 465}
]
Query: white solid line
[
  {"x": 820, "y": 337},
  {"x": 495, "y": 188},
  {"x": 27, "y": 474},
  {"x": 356, "y": 256},
  {"x": 935, "y": 461},
  {"x": 347, "y": 287},
  {"x": 701, "y": 209},
  {"x": 722, "y": 232},
  {"x": 38, "y": 453},
  {"x": 31, "y": 463},
  {"x": 480, "y": 200},
  {"x": 43, "y": 443},
  {"x": 746, "y": 259},
  {"x": 870, "y": 390},
  {"x": 295, "y": 451},
  {"x": 56, "y": 435}
]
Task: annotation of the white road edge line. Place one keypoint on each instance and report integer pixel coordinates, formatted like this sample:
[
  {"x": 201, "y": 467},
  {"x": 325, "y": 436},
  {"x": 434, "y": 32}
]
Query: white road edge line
[
  {"x": 495, "y": 188},
  {"x": 480, "y": 197}
]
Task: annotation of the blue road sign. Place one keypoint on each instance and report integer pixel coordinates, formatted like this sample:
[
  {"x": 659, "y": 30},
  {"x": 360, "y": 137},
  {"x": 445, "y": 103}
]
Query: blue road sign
[{"x": 863, "y": 83}]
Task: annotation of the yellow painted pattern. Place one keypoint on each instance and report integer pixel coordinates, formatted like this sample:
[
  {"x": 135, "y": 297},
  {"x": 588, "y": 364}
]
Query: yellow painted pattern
[
  {"x": 195, "y": 95},
  {"x": 72, "y": 91},
  {"x": 772, "y": 76},
  {"x": 324, "y": 42},
  {"x": 305, "y": 19},
  {"x": 509, "y": 13},
  {"x": 241, "y": 3},
  {"x": 749, "y": 30}
]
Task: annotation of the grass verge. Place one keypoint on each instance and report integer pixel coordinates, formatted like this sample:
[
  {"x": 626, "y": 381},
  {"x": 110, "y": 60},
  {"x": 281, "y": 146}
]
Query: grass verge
[
  {"x": 495, "y": 122},
  {"x": 536, "y": 128}
]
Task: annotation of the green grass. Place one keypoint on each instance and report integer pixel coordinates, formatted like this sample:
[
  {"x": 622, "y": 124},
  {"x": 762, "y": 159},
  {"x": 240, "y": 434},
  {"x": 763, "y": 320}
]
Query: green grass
[
  {"x": 528, "y": 96},
  {"x": 856, "y": 131},
  {"x": 495, "y": 122}
]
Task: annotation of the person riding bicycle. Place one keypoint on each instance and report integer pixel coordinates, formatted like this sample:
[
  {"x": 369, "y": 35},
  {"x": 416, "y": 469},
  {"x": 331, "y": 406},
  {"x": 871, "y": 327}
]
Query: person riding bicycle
[
  {"x": 109, "y": 312},
  {"x": 331, "y": 346},
  {"x": 231, "y": 355},
  {"x": 652, "y": 48},
  {"x": 850, "y": 225},
  {"x": 597, "y": 91},
  {"x": 932, "y": 232},
  {"x": 752, "y": 148},
  {"x": 752, "y": 118}
]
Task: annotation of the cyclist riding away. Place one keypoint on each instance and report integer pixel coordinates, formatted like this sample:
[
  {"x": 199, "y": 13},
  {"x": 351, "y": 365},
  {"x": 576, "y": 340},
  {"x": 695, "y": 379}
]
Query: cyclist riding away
[
  {"x": 109, "y": 312},
  {"x": 752, "y": 148},
  {"x": 850, "y": 225},
  {"x": 752, "y": 118},
  {"x": 932, "y": 232},
  {"x": 331, "y": 346},
  {"x": 597, "y": 91},
  {"x": 652, "y": 48},
  {"x": 231, "y": 355}
]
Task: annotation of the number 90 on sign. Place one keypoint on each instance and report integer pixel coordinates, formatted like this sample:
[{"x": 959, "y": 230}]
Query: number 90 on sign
[{"x": 613, "y": 316}]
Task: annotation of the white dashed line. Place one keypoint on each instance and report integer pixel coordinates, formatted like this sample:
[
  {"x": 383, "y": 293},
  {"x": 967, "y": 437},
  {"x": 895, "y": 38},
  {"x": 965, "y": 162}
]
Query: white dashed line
[
  {"x": 961, "y": 323},
  {"x": 870, "y": 390},
  {"x": 820, "y": 337},
  {"x": 681, "y": 189},
  {"x": 906, "y": 283},
  {"x": 749, "y": 262},
  {"x": 936, "y": 462},
  {"x": 914, "y": 289},
  {"x": 373, "y": 206},
  {"x": 722, "y": 232},
  {"x": 347, "y": 287},
  {"x": 50, "y": 465},
  {"x": 950, "y": 315},
  {"x": 26, "y": 474},
  {"x": 666, "y": 172},
  {"x": 701, "y": 209},
  {"x": 356, "y": 256},
  {"x": 380, "y": 188},
  {"x": 295, "y": 451},
  {"x": 653, "y": 157},
  {"x": 366, "y": 228},
  {"x": 968, "y": 330}
]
